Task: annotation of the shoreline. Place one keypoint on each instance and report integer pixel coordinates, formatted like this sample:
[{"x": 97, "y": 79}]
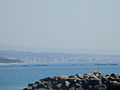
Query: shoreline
[
  {"x": 96, "y": 63},
  {"x": 13, "y": 63}
]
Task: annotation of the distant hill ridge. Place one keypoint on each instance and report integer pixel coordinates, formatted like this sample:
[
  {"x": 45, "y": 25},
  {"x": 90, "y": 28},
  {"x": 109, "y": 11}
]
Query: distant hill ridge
[{"x": 9, "y": 60}]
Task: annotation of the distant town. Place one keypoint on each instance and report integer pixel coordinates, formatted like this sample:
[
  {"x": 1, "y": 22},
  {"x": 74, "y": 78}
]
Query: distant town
[{"x": 54, "y": 57}]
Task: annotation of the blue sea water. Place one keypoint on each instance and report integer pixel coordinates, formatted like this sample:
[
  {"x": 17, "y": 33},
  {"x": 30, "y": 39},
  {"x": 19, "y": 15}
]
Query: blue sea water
[{"x": 17, "y": 77}]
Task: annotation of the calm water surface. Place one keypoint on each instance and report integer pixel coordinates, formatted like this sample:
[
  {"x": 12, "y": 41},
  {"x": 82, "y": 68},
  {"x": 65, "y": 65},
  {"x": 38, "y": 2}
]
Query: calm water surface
[{"x": 16, "y": 77}]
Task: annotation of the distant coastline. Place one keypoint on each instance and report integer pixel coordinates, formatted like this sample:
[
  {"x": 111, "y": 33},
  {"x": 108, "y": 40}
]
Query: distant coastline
[
  {"x": 13, "y": 63},
  {"x": 16, "y": 57}
]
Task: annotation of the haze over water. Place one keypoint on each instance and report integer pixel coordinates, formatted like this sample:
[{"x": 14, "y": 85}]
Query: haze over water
[{"x": 83, "y": 24}]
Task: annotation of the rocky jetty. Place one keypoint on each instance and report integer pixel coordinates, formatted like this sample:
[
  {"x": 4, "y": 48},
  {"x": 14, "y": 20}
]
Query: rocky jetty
[{"x": 92, "y": 81}]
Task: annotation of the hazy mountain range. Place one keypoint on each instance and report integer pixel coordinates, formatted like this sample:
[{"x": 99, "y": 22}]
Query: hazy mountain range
[{"x": 65, "y": 50}]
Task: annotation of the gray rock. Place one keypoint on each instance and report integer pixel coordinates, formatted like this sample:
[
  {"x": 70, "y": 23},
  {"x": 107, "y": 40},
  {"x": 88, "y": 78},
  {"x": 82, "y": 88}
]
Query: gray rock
[
  {"x": 90, "y": 87},
  {"x": 30, "y": 84},
  {"x": 104, "y": 80},
  {"x": 57, "y": 87},
  {"x": 100, "y": 87},
  {"x": 25, "y": 89},
  {"x": 80, "y": 88},
  {"x": 37, "y": 82},
  {"x": 97, "y": 73},
  {"x": 30, "y": 88},
  {"x": 79, "y": 76},
  {"x": 72, "y": 80},
  {"x": 95, "y": 82},
  {"x": 114, "y": 75},
  {"x": 66, "y": 83},
  {"x": 72, "y": 76},
  {"x": 41, "y": 86},
  {"x": 77, "y": 85},
  {"x": 72, "y": 88},
  {"x": 35, "y": 86}
]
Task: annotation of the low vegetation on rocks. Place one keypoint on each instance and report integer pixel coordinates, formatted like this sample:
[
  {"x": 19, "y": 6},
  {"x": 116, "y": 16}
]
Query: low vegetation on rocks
[{"x": 92, "y": 81}]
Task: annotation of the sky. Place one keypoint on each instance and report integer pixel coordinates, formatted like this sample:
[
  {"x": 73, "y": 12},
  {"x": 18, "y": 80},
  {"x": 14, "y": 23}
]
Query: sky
[{"x": 84, "y": 24}]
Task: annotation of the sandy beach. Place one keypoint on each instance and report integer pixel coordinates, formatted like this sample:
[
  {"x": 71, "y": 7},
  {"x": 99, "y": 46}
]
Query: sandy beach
[{"x": 13, "y": 63}]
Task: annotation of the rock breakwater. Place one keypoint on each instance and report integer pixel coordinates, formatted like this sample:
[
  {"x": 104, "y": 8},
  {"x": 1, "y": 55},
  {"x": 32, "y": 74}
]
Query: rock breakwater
[{"x": 92, "y": 81}]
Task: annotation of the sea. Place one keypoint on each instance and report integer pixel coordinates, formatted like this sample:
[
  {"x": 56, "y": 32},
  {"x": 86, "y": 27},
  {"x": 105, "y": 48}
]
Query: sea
[{"x": 17, "y": 77}]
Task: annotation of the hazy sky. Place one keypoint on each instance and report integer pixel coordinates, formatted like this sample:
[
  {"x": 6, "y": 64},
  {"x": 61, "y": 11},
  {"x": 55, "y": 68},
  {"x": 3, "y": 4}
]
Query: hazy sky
[{"x": 85, "y": 24}]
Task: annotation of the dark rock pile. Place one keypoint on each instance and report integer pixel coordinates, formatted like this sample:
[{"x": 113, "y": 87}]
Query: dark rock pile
[{"x": 93, "y": 81}]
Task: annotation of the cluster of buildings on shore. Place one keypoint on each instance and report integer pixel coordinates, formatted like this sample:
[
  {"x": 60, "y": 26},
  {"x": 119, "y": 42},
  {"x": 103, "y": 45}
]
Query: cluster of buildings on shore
[
  {"x": 71, "y": 58},
  {"x": 30, "y": 57}
]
